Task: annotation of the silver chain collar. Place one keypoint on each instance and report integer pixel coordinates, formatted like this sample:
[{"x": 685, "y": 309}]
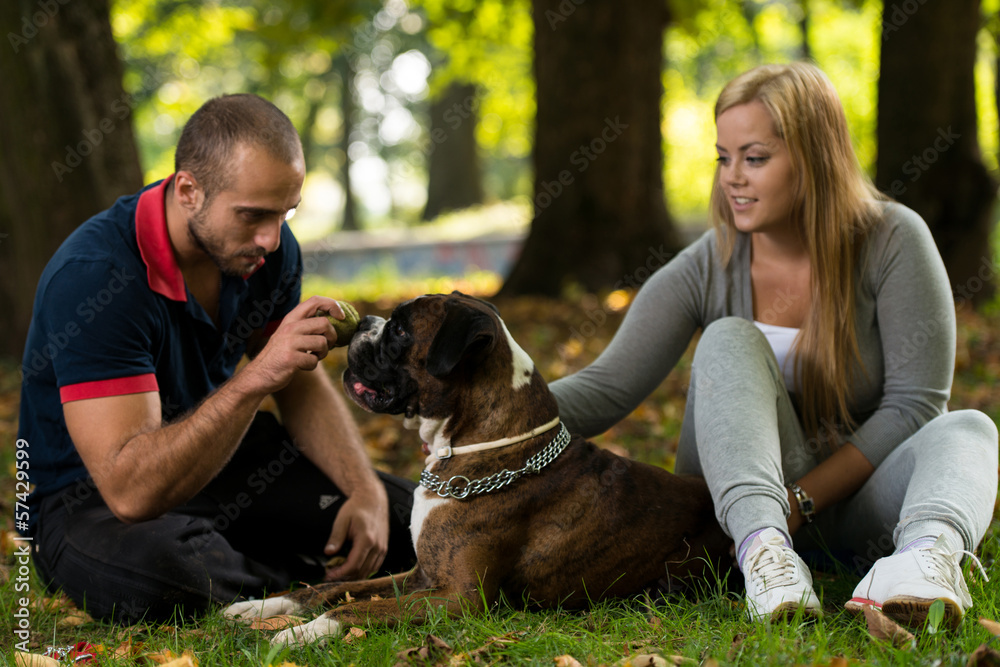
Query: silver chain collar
[{"x": 460, "y": 487}]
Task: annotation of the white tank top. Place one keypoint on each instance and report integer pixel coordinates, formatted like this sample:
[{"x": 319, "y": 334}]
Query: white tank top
[{"x": 782, "y": 339}]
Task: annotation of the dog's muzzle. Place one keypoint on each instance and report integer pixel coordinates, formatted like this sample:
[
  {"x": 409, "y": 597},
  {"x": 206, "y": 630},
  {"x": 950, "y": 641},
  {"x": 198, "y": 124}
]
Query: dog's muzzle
[{"x": 375, "y": 378}]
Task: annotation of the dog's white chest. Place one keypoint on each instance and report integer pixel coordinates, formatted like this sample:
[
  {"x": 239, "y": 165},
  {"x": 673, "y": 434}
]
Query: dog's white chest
[{"x": 422, "y": 506}]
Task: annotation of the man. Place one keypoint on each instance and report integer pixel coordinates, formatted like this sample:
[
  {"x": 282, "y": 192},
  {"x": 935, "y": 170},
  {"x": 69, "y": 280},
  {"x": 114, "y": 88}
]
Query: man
[{"x": 158, "y": 483}]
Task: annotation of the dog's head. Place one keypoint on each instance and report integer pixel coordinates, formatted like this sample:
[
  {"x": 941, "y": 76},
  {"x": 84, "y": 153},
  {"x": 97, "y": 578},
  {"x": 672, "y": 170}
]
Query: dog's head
[{"x": 435, "y": 355}]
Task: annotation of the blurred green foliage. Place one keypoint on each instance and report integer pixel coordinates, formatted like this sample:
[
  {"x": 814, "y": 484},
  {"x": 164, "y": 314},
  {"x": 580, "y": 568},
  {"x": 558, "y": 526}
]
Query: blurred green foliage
[
  {"x": 179, "y": 53},
  {"x": 718, "y": 40}
]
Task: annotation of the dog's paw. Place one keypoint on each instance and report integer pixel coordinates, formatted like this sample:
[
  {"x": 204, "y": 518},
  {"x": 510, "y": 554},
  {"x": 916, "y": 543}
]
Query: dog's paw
[
  {"x": 249, "y": 610},
  {"x": 313, "y": 631}
]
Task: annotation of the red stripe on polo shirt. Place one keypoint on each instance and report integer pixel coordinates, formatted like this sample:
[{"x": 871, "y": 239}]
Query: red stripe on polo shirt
[
  {"x": 254, "y": 269},
  {"x": 151, "y": 232},
  {"x": 136, "y": 384}
]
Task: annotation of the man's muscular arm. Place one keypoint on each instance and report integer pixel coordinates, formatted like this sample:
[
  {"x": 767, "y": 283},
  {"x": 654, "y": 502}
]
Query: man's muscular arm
[{"x": 143, "y": 468}]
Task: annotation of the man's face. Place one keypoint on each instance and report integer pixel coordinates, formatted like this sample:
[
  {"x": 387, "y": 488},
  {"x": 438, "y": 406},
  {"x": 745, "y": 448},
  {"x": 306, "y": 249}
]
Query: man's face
[{"x": 237, "y": 226}]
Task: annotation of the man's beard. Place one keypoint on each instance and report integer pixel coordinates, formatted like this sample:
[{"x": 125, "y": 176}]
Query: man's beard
[{"x": 230, "y": 265}]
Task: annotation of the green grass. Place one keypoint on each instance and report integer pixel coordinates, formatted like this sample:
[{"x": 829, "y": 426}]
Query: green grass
[
  {"x": 708, "y": 626},
  {"x": 701, "y": 626}
]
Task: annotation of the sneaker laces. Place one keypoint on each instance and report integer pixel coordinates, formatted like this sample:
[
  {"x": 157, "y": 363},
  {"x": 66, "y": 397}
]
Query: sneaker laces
[
  {"x": 771, "y": 563},
  {"x": 948, "y": 568}
]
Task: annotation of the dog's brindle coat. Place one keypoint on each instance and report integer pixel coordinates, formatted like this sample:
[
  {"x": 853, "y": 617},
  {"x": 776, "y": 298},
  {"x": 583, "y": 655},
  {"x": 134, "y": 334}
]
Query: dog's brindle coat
[{"x": 590, "y": 525}]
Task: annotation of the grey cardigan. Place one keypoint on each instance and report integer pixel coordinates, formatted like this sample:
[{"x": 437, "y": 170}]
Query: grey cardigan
[{"x": 905, "y": 322}]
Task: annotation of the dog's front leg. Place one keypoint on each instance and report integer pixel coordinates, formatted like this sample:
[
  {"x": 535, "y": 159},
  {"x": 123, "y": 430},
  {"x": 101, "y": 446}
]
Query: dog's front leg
[
  {"x": 386, "y": 611},
  {"x": 455, "y": 597},
  {"x": 328, "y": 594}
]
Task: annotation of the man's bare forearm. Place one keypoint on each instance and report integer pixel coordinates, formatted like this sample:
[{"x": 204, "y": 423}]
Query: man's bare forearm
[
  {"x": 317, "y": 417},
  {"x": 144, "y": 468},
  {"x": 162, "y": 468},
  {"x": 321, "y": 425}
]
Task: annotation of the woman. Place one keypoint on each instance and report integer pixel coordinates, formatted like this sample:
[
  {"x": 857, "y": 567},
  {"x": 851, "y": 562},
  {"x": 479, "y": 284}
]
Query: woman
[{"x": 819, "y": 385}]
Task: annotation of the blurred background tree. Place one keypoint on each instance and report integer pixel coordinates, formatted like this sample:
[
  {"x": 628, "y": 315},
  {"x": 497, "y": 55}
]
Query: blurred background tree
[
  {"x": 600, "y": 212},
  {"x": 413, "y": 108},
  {"x": 67, "y": 148},
  {"x": 929, "y": 148}
]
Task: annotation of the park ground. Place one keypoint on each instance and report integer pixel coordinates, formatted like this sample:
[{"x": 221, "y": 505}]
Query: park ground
[{"x": 705, "y": 627}]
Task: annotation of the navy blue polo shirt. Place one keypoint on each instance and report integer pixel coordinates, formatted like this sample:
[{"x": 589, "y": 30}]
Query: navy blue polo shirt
[{"x": 113, "y": 316}]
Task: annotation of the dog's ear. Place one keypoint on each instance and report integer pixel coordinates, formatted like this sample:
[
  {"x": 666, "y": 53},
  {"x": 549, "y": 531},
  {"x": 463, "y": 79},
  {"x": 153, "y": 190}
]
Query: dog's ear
[
  {"x": 476, "y": 298},
  {"x": 465, "y": 333}
]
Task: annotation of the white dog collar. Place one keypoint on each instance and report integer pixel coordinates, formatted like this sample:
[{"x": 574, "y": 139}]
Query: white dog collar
[{"x": 447, "y": 451}]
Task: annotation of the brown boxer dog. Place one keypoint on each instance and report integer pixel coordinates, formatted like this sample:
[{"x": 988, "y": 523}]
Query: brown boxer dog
[{"x": 508, "y": 503}]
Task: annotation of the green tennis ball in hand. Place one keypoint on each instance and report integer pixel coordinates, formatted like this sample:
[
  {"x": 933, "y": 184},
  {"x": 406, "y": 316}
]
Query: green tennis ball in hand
[{"x": 346, "y": 327}]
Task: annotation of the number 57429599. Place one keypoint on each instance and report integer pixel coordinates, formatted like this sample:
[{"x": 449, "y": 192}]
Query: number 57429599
[{"x": 22, "y": 488}]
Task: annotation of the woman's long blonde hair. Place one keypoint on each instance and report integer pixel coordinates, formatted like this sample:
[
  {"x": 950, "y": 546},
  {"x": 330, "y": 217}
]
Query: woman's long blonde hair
[{"x": 836, "y": 206}]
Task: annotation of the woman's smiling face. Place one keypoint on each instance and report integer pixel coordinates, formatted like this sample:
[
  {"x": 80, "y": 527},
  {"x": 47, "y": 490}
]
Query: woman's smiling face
[{"x": 755, "y": 169}]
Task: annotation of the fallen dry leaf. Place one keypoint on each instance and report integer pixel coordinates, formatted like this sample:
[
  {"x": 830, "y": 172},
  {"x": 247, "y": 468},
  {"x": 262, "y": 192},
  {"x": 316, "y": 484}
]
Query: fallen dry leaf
[
  {"x": 477, "y": 654},
  {"x": 567, "y": 661},
  {"x": 437, "y": 642},
  {"x": 54, "y": 604},
  {"x": 881, "y": 626},
  {"x": 736, "y": 646},
  {"x": 168, "y": 658},
  {"x": 279, "y": 622},
  {"x": 353, "y": 635},
  {"x": 73, "y": 619},
  {"x": 654, "y": 660},
  {"x": 127, "y": 649},
  {"x": 34, "y": 660},
  {"x": 186, "y": 660},
  {"x": 992, "y": 626},
  {"x": 680, "y": 660},
  {"x": 433, "y": 647},
  {"x": 9, "y": 542},
  {"x": 160, "y": 657},
  {"x": 984, "y": 656},
  {"x": 509, "y": 638}
]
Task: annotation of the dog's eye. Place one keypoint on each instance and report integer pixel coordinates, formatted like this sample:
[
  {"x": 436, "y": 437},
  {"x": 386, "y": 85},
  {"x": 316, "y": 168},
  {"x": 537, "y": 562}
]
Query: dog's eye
[{"x": 398, "y": 330}]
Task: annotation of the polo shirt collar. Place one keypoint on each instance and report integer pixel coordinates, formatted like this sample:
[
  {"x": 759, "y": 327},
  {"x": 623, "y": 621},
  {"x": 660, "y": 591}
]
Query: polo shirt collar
[
  {"x": 162, "y": 271},
  {"x": 164, "y": 275}
]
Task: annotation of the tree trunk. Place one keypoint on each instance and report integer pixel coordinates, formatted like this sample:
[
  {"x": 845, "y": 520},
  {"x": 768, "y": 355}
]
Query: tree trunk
[
  {"x": 350, "y": 221},
  {"x": 806, "y": 48},
  {"x": 307, "y": 134},
  {"x": 66, "y": 131},
  {"x": 600, "y": 213},
  {"x": 455, "y": 180},
  {"x": 929, "y": 157}
]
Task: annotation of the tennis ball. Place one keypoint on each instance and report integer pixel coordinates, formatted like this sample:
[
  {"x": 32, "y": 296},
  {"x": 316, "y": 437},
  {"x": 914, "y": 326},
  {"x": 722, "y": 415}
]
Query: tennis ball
[{"x": 346, "y": 327}]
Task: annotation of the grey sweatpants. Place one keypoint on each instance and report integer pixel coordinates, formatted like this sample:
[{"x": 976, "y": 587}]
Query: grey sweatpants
[{"x": 741, "y": 432}]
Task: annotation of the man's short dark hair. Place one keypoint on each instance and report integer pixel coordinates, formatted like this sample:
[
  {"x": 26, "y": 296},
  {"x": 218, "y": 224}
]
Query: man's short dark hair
[{"x": 212, "y": 134}]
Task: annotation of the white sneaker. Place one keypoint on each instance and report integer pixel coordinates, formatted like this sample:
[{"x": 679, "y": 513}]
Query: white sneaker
[
  {"x": 904, "y": 585},
  {"x": 778, "y": 583}
]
